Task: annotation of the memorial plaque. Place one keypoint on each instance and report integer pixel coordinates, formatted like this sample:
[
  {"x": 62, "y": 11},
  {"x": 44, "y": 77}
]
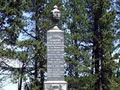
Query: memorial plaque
[
  {"x": 55, "y": 55},
  {"x": 56, "y": 85}
]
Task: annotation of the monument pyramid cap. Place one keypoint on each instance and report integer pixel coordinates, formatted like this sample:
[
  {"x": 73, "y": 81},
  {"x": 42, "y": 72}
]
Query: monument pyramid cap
[{"x": 55, "y": 29}]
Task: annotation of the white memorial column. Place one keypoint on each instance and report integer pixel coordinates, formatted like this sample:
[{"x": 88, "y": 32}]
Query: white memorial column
[{"x": 55, "y": 55}]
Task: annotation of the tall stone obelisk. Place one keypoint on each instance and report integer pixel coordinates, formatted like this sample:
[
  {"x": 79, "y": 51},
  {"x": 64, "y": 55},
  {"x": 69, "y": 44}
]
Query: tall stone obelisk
[{"x": 55, "y": 56}]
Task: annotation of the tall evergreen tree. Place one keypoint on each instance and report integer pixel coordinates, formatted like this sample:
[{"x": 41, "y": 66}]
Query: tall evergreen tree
[
  {"x": 11, "y": 24},
  {"x": 117, "y": 46},
  {"x": 35, "y": 45},
  {"x": 36, "y": 42},
  {"x": 102, "y": 16},
  {"x": 77, "y": 41},
  {"x": 10, "y": 20},
  {"x": 88, "y": 40}
]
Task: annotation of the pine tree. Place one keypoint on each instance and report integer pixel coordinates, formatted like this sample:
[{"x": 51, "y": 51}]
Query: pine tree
[
  {"x": 89, "y": 37},
  {"x": 103, "y": 36},
  {"x": 35, "y": 45},
  {"x": 10, "y": 27},
  {"x": 36, "y": 42},
  {"x": 77, "y": 41},
  {"x": 11, "y": 23},
  {"x": 116, "y": 82}
]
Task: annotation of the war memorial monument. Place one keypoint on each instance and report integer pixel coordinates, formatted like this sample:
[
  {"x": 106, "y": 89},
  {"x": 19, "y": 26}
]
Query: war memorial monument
[{"x": 55, "y": 55}]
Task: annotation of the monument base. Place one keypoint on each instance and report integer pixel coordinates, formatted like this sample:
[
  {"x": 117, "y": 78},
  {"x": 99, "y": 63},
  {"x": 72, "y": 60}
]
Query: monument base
[{"x": 55, "y": 85}]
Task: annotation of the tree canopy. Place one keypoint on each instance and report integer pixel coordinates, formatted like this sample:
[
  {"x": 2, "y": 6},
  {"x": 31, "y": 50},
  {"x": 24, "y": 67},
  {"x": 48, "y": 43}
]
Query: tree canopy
[{"x": 92, "y": 46}]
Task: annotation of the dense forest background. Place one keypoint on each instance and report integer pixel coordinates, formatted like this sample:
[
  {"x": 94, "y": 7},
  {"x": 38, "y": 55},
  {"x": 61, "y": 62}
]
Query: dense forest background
[{"x": 92, "y": 42}]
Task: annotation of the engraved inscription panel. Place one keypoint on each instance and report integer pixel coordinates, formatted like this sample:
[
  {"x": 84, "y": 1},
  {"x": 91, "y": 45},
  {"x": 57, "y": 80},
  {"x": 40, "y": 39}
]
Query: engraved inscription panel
[
  {"x": 55, "y": 56},
  {"x": 56, "y": 86}
]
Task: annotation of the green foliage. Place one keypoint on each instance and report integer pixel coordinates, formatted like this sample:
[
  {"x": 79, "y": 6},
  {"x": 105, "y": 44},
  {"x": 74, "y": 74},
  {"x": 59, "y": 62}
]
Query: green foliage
[
  {"x": 81, "y": 83},
  {"x": 78, "y": 45},
  {"x": 11, "y": 20},
  {"x": 89, "y": 37},
  {"x": 103, "y": 36}
]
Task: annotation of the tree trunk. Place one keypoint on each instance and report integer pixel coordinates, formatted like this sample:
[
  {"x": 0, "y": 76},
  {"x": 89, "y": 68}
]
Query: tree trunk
[
  {"x": 97, "y": 53},
  {"x": 42, "y": 81},
  {"x": 21, "y": 77},
  {"x": 20, "y": 84}
]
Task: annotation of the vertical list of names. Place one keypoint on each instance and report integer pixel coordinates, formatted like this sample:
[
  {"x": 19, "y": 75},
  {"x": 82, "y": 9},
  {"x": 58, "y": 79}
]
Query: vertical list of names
[{"x": 55, "y": 55}]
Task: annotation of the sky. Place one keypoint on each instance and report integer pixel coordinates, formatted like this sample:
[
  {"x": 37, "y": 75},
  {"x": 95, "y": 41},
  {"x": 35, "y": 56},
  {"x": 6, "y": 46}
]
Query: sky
[
  {"x": 10, "y": 86},
  {"x": 7, "y": 84}
]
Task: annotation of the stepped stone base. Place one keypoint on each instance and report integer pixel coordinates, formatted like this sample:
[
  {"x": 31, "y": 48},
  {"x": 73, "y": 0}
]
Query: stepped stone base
[{"x": 55, "y": 85}]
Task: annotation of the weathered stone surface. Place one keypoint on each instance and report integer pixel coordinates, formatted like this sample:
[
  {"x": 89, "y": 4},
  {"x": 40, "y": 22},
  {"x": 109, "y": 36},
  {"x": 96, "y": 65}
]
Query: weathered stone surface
[
  {"x": 55, "y": 55},
  {"x": 55, "y": 85}
]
